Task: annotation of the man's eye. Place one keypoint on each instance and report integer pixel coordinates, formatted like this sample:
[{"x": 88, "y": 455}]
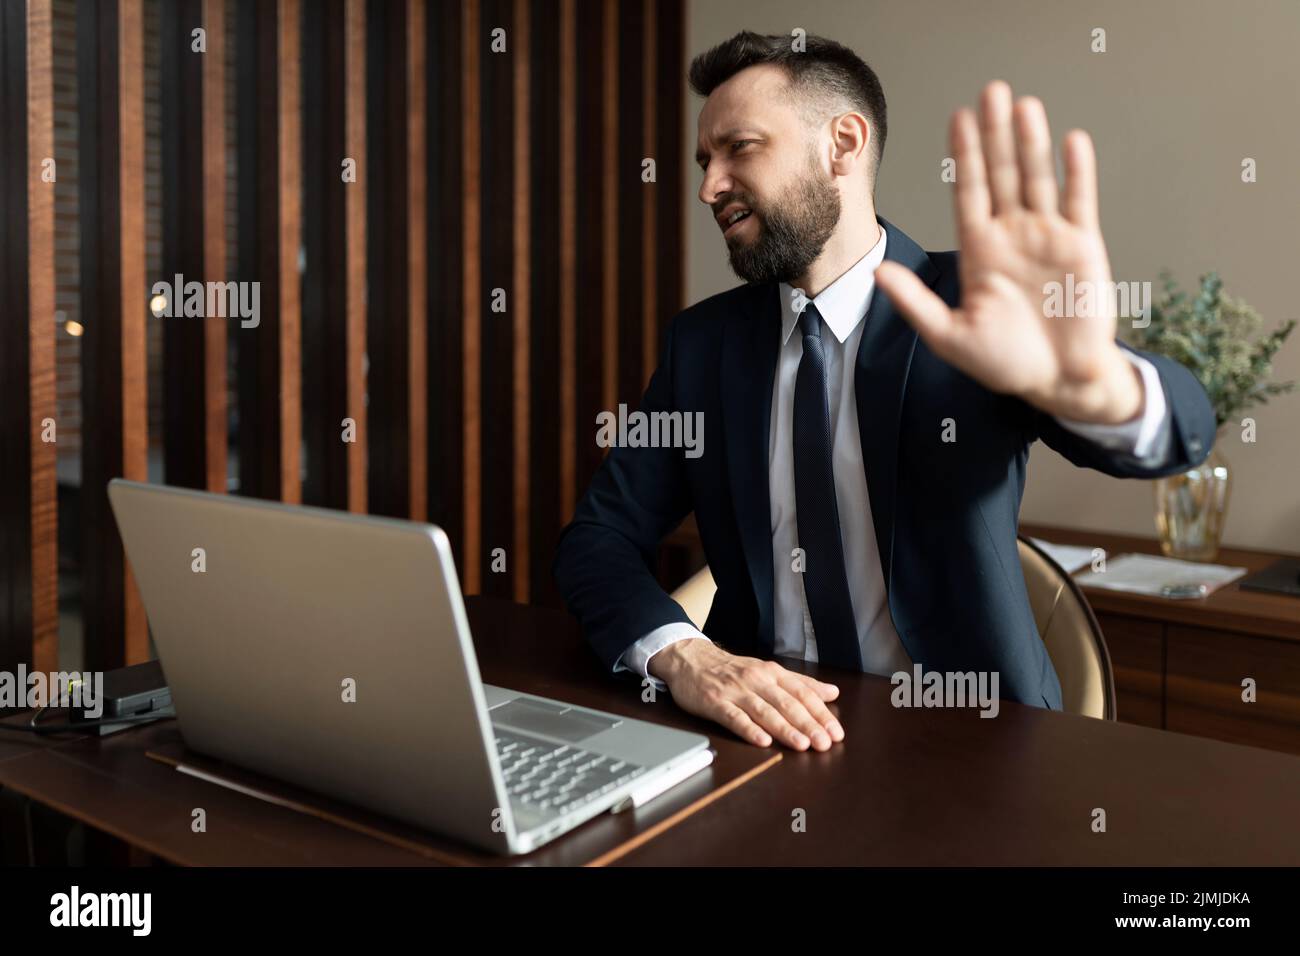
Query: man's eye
[{"x": 738, "y": 144}]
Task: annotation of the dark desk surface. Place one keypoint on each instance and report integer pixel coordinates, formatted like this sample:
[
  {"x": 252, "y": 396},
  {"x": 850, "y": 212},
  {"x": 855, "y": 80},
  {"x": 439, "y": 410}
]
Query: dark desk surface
[{"x": 907, "y": 787}]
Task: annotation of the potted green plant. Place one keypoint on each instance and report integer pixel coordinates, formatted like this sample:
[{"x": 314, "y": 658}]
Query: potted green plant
[{"x": 1217, "y": 337}]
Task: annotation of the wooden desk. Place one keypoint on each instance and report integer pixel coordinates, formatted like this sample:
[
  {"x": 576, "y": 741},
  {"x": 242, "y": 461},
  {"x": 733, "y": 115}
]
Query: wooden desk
[{"x": 908, "y": 787}]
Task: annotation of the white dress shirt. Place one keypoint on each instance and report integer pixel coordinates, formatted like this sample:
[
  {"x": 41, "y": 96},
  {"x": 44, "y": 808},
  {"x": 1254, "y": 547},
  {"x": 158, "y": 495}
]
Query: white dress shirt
[{"x": 843, "y": 306}]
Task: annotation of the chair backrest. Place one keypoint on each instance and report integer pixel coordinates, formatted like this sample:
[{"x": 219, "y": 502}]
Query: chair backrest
[
  {"x": 1071, "y": 633},
  {"x": 695, "y": 595},
  {"x": 1064, "y": 620}
]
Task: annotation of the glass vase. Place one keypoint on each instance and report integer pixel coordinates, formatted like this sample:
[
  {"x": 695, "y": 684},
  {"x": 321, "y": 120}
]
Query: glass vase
[{"x": 1192, "y": 507}]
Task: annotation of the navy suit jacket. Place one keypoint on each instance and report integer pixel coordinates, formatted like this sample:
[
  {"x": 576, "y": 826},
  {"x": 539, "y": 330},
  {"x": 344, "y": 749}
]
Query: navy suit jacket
[{"x": 945, "y": 513}]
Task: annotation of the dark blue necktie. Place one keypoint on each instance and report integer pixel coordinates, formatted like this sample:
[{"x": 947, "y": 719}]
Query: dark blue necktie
[{"x": 825, "y": 581}]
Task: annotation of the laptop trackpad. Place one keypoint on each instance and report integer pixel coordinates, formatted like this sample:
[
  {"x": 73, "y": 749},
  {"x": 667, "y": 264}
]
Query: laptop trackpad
[{"x": 540, "y": 717}]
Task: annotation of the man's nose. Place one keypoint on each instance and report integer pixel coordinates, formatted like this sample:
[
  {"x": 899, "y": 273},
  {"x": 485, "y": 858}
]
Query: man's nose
[{"x": 716, "y": 183}]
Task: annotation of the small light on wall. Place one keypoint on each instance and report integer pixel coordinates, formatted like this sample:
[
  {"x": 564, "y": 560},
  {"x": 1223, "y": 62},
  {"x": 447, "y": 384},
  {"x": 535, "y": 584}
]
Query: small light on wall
[
  {"x": 73, "y": 327},
  {"x": 158, "y": 304}
]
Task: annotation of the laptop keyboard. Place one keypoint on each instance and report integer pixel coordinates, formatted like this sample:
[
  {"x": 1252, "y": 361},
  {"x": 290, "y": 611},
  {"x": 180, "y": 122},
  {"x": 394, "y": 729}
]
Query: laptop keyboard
[{"x": 557, "y": 778}]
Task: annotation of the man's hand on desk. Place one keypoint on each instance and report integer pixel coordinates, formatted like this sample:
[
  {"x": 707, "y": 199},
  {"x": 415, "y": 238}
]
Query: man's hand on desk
[{"x": 760, "y": 701}]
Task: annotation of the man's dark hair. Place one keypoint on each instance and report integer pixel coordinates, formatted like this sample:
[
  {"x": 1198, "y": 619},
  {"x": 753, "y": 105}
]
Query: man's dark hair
[{"x": 823, "y": 75}]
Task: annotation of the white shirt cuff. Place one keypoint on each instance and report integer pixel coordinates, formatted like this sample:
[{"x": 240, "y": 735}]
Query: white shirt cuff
[
  {"x": 637, "y": 657},
  {"x": 1139, "y": 436}
]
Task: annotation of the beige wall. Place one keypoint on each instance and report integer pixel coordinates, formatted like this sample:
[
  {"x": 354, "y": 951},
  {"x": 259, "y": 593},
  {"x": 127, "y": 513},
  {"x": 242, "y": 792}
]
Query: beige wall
[{"x": 1186, "y": 89}]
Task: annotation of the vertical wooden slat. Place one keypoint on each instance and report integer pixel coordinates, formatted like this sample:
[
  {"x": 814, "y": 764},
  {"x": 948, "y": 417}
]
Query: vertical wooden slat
[
  {"x": 446, "y": 311},
  {"x": 670, "y": 220},
  {"x": 471, "y": 42},
  {"x": 609, "y": 210},
  {"x": 544, "y": 449},
  {"x": 397, "y": 239},
  {"x": 520, "y": 308},
  {"x": 650, "y": 193},
  {"x": 592, "y": 273},
  {"x": 194, "y": 242},
  {"x": 248, "y": 344},
  {"x": 288, "y": 205},
  {"x": 354, "y": 268},
  {"x": 216, "y": 412},
  {"x": 568, "y": 190},
  {"x": 500, "y": 42},
  {"x": 630, "y": 240},
  {"x": 28, "y": 512},
  {"x": 322, "y": 483},
  {"x": 416, "y": 265},
  {"x": 42, "y": 503},
  {"x": 270, "y": 169},
  {"x": 110, "y": 62},
  {"x": 334, "y": 223}
]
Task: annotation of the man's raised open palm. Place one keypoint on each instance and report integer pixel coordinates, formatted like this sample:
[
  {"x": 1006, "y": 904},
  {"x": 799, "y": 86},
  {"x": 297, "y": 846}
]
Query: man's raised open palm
[{"x": 1017, "y": 235}]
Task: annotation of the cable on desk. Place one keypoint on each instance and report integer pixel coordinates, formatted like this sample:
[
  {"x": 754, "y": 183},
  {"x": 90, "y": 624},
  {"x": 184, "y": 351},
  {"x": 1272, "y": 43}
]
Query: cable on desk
[{"x": 34, "y": 726}]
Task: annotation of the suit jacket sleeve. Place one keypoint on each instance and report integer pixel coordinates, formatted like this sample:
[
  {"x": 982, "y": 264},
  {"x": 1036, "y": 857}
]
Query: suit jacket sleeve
[
  {"x": 1191, "y": 424},
  {"x": 604, "y": 560}
]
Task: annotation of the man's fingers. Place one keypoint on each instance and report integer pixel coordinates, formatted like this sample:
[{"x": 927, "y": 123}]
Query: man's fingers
[
  {"x": 918, "y": 303},
  {"x": 1034, "y": 149},
  {"x": 738, "y": 722},
  {"x": 1080, "y": 180},
  {"x": 759, "y": 701},
  {"x": 999, "y": 147},
  {"x": 815, "y": 706},
  {"x": 793, "y": 710},
  {"x": 971, "y": 196},
  {"x": 773, "y": 721},
  {"x": 822, "y": 689}
]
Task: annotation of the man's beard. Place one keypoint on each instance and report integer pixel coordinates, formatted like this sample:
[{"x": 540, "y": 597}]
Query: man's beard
[{"x": 791, "y": 232}]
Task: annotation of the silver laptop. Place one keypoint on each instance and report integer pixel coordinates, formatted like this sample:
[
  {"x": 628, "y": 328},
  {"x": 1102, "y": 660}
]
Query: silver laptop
[{"x": 332, "y": 650}]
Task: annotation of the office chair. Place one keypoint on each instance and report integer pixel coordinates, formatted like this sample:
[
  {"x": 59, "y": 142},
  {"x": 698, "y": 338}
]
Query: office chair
[
  {"x": 1065, "y": 623},
  {"x": 1072, "y": 635}
]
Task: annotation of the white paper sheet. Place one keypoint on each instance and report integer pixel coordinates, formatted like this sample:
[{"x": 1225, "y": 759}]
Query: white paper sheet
[
  {"x": 1072, "y": 557},
  {"x": 1148, "y": 574}
]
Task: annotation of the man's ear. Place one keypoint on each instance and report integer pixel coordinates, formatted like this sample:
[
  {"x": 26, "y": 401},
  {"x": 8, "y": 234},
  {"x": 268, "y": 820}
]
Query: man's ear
[{"x": 850, "y": 143}]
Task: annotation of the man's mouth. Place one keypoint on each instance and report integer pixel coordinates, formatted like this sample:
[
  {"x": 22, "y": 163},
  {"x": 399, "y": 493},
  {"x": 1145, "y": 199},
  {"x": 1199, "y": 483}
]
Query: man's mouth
[{"x": 735, "y": 222}]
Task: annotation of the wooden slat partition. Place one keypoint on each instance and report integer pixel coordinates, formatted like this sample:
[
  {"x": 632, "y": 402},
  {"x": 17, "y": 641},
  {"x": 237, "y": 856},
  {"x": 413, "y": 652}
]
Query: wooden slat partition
[
  {"x": 28, "y": 511},
  {"x": 110, "y": 64},
  {"x": 590, "y": 256},
  {"x": 194, "y": 242},
  {"x": 477, "y": 169}
]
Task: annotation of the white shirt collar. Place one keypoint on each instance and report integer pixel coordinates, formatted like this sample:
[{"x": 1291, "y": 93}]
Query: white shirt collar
[{"x": 843, "y": 303}]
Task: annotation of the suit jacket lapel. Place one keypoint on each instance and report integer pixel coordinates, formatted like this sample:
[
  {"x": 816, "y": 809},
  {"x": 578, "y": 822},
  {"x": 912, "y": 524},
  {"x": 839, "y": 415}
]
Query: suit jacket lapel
[
  {"x": 751, "y": 342},
  {"x": 883, "y": 361}
]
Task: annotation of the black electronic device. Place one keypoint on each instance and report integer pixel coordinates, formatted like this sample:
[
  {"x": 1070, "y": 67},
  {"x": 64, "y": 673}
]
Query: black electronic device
[{"x": 1281, "y": 577}]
